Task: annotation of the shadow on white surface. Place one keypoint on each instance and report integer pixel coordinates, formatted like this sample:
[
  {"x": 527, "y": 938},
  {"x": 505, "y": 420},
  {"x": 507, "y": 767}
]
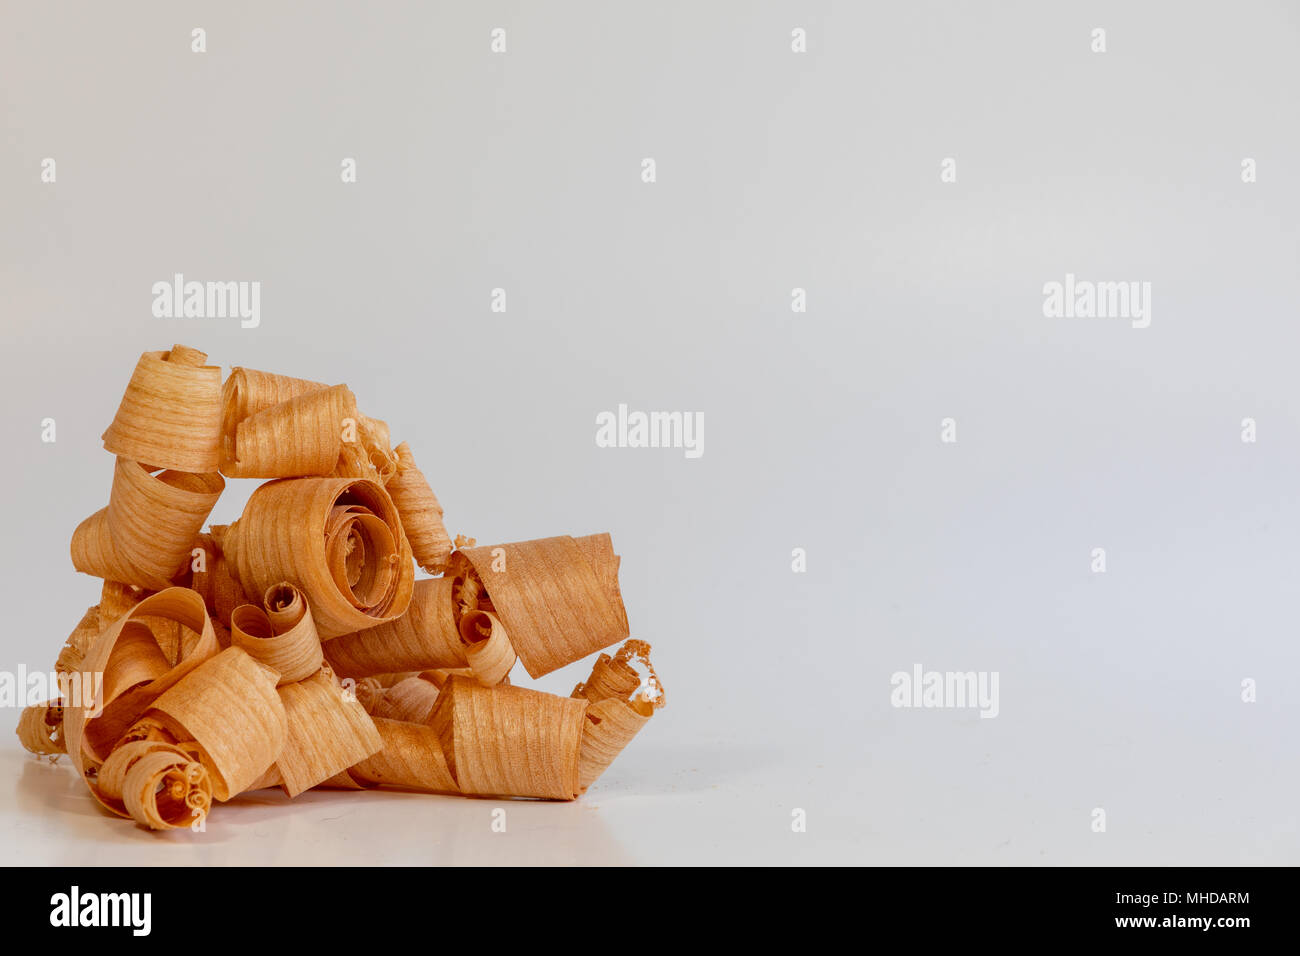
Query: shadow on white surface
[{"x": 49, "y": 819}]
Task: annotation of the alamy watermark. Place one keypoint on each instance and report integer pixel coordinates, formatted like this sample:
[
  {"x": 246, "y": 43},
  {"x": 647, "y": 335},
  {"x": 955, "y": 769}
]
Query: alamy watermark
[
  {"x": 75, "y": 908},
  {"x": 632, "y": 429},
  {"x": 179, "y": 299},
  {"x": 1085, "y": 299},
  {"x": 21, "y": 688},
  {"x": 946, "y": 689}
]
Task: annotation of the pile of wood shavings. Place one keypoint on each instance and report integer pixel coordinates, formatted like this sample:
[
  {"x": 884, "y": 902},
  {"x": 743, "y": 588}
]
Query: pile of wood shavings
[{"x": 296, "y": 648}]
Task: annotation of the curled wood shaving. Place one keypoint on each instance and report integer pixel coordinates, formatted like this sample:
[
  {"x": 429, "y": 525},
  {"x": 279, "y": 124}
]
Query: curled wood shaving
[
  {"x": 487, "y": 647},
  {"x": 295, "y": 648},
  {"x": 40, "y": 728},
  {"x": 421, "y": 513}
]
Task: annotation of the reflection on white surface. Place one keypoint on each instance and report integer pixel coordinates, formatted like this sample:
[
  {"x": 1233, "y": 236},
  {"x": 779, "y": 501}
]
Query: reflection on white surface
[
  {"x": 54, "y": 821},
  {"x": 905, "y": 789},
  {"x": 49, "y": 819}
]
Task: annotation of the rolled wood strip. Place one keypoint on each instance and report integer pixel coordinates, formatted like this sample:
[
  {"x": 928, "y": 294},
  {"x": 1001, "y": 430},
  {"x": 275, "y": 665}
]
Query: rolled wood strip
[
  {"x": 598, "y": 549},
  {"x": 487, "y": 647},
  {"x": 247, "y": 392},
  {"x": 79, "y": 641},
  {"x": 425, "y": 637},
  {"x": 136, "y": 659},
  {"x": 116, "y": 598},
  {"x": 93, "y": 551},
  {"x": 359, "y": 535},
  {"x": 609, "y": 726},
  {"x": 411, "y": 700},
  {"x": 327, "y": 732},
  {"x": 292, "y": 656},
  {"x": 148, "y": 728},
  {"x": 377, "y": 438},
  {"x": 166, "y": 788},
  {"x": 291, "y": 531},
  {"x": 170, "y": 414},
  {"x": 144, "y": 536},
  {"x": 299, "y": 437},
  {"x": 421, "y": 513},
  {"x": 467, "y": 590},
  {"x": 283, "y": 639},
  {"x": 110, "y": 785},
  {"x": 379, "y": 445},
  {"x": 178, "y": 605},
  {"x": 367, "y": 454},
  {"x": 230, "y": 707},
  {"x": 127, "y": 684},
  {"x": 40, "y": 728},
  {"x": 286, "y": 606},
  {"x": 215, "y": 579},
  {"x": 621, "y": 704},
  {"x": 510, "y": 741},
  {"x": 557, "y": 605},
  {"x": 154, "y": 518},
  {"x": 111, "y": 778},
  {"x": 609, "y": 678},
  {"x": 411, "y": 759}
]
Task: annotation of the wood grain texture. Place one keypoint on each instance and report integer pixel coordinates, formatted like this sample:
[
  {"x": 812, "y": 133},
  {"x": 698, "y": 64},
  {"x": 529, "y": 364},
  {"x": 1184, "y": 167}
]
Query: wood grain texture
[
  {"x": 170, "y": 414},
  {"x": 556, "y": 604},
  {"x": 510, "y": 741},
  {"x": 315, "y": 533},
  {"x": 424, "y": 637}
]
